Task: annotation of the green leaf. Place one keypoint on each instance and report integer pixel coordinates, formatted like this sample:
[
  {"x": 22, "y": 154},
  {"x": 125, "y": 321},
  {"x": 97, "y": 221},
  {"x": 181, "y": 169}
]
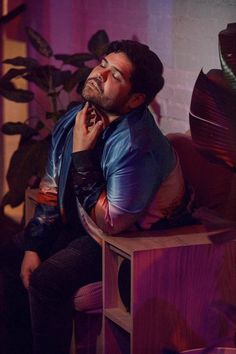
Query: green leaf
[
  {"x": 40, "y": 125},
  {"x": 75, "y": 59},
  {"x": 21, "y": 61},
  {"x": 15, "y": 128},
  {"x": 98, "y": 43},
  {"x": 12, "y": 73},
  {"x": 212, "y": 120},
  {"x": 38, "y": 81},
  {"x": 55, "y": 116},
  {"x": 227, "y": 52},
  {"x": 77, "y": 77},
  {"x": 6, "y": 85},
  {"x": 39, "y": 43},
  {"x": 12, "y": 14},
  {"x": 59, "y": 77},
  {"x": 47, "y": 77},
  {"x": 17, "y": 95},
  {"x": 28, "y": 160}
]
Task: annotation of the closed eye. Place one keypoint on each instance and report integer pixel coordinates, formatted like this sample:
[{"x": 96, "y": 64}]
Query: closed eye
[
  {"x": 103, "y": 63},
  {"x": 116, "y": 75}
]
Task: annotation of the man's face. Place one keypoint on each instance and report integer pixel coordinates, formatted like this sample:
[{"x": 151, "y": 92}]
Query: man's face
[{"x": 108, "y": 86}]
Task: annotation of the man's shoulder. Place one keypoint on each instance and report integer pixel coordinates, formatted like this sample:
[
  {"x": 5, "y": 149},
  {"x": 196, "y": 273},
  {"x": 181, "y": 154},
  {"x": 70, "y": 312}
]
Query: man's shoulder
[
  {"x": 137, "y": 130},
  {"x": 145, "y": 133}
]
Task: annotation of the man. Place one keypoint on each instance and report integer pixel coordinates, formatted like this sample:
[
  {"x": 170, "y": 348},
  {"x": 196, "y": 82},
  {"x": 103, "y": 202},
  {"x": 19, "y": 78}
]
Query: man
[{"x": 110, "y": 157}]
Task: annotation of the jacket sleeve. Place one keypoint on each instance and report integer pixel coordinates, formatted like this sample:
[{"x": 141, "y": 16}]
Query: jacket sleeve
[
  {"x": 91, "y": 190},
  {"x": 39, "y": 232},
  {"x": 88, "y": 178}
]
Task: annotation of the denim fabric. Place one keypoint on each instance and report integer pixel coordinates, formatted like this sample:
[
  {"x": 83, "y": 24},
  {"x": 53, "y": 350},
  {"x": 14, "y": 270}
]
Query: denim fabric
[{"x": 50, "y": 294}]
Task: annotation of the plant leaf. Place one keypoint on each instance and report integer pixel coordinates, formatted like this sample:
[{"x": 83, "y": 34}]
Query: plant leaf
[
  {"x": 17, "y": 95},
  {"x": 14, "y": 128},
  {"x": 26, "y": 163},
  {"x": 59, "y": 77},
  {"x": 77, "y": 77},
  {"x": 55, "y": 116},
  {"x": 227, "y": 49},
  {"x": 212, "y": 121},
  {"x": 47, "y": 77},
  {"x": 227, "y": 309},
  {"x": 98, "y": 43},
  {"x": 6, "y": 85},
  {"x": 39, "y": 43},
  {"x": 12, "y": 14},
  {"x": 12, "y": 73},
  {"x": 21, "y": 61},
  {"x": 75, "y": 59}
]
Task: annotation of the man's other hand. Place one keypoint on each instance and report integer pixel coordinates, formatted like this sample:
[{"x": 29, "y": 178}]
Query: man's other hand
[
  {"x": 88, "y": 126},
  {"x": 30, "y": 262}
]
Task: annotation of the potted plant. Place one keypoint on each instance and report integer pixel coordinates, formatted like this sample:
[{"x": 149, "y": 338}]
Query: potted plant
[
  {"x": 213, "y": 113},
  {"x": 55, "y": 80}
]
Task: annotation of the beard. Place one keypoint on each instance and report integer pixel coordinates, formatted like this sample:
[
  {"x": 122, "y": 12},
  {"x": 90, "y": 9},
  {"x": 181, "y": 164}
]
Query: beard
[{"x": 93, "y": 93}]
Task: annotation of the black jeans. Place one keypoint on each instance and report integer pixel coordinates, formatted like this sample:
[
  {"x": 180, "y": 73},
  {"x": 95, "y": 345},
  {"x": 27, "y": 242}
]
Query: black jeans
[{"x": 50, "y": 295}]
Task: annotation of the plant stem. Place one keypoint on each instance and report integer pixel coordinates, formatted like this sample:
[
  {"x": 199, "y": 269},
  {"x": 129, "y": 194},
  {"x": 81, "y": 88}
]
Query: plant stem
[{"x": 54, "y": 102}]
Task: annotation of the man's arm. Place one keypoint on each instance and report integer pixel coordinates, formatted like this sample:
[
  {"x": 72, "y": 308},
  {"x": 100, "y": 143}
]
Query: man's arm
[
  {"x": 97, "y": 195},
  {"x": 90, "y": 188},
  {"x": 38, "y": 232}
]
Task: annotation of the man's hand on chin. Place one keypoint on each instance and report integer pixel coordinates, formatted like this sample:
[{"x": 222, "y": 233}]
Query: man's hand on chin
[
  {"x": 30, "y": 262},
  {"x": 88, "y": 126}
]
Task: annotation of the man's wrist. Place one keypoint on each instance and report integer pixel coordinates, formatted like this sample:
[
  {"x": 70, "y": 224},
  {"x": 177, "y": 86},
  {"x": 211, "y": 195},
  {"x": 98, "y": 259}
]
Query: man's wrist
[{"x": 82, "y": 160}]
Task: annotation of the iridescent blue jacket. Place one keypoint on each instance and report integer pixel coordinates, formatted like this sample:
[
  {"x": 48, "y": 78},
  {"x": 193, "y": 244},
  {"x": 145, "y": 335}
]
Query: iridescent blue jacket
[{"x": 134, "y": 158}]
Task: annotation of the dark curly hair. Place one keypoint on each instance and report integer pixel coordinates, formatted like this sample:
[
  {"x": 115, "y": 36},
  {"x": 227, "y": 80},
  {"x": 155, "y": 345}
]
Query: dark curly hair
[{"x": 148, "y": 69}]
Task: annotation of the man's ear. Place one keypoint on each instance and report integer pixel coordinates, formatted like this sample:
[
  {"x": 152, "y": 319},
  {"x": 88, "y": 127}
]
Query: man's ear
[{"x": 136, "y": 100}]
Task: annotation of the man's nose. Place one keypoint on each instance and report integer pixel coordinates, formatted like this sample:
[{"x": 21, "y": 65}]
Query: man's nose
[{"x": 103, "y": 74}]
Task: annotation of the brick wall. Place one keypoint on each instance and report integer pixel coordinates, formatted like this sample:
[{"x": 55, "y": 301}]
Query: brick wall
[{"x": 184, "y": 33}]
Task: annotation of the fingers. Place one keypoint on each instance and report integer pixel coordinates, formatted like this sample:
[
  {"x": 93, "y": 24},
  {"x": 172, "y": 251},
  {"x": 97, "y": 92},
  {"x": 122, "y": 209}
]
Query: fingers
[
  {"x": 25, "y": 277},
  {"x": 86, "y": 117},
  {"x": 96, "y": 130},
  {"x": 87, "y": 128},
  {"x": 30, "y": 262},
  {"x": 81, "y": 116}
]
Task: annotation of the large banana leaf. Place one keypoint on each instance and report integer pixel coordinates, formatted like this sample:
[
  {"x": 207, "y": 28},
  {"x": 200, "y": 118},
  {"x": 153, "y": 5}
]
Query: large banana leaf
[
  {"x": 227, "y": 49},
  {"x": 213, "y": 106}
]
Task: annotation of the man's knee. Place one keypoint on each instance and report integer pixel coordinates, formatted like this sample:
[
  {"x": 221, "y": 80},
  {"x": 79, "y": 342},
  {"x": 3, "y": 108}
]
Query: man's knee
[
  {"x": 45, "y": 281},
  {"x": 11, "y": 250}
]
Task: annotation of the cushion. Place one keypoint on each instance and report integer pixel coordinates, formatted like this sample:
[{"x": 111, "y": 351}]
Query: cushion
[
  {"x": 89, "y": 298},
  {"x": 211, "y": 182}
]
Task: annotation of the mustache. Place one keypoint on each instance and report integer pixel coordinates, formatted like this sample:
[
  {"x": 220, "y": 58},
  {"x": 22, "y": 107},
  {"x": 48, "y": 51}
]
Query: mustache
[{"x": 97, "y": 81}]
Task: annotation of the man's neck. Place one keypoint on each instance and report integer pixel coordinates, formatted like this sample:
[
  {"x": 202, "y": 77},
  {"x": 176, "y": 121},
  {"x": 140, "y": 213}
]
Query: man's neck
[{"x": 108, "y": 117}]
